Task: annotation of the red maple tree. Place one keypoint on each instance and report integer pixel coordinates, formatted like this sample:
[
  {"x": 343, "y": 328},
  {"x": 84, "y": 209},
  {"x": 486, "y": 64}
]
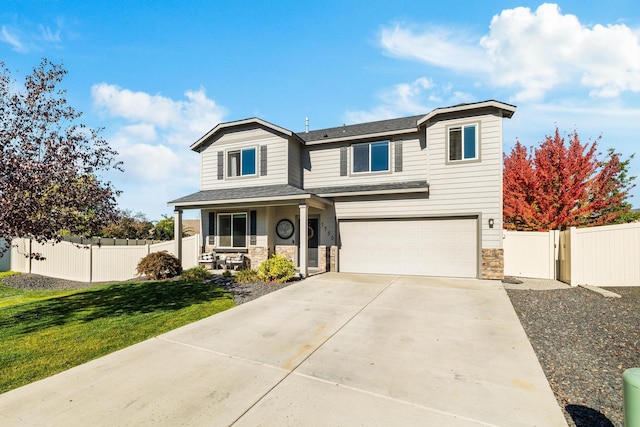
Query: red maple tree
[{"x": 557, "y": 185}]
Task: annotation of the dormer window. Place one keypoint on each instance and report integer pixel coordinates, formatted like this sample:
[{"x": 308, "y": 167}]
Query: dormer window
[
  {"x": 370, "y": 157},
  {"x": 242, "y": 162}
]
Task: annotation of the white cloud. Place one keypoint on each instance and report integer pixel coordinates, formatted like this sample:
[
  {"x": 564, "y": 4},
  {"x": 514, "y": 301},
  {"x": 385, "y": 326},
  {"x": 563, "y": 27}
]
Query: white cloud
[
  {"x": 25, "y": 37},
  {"x": 154, "y": 143},
  {"x": 12, "y": 39},
  {"x": 407, "y": 99},
  {"x": 50, "y": 36},
  {"x": 435, "y": 46},
  {"x": 533, "y": 52}
]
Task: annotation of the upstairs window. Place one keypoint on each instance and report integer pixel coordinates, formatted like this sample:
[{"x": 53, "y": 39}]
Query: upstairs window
[
  {"x": 463, "y": 142},
  {"x": 241, "y": 162},
  {"x": 370, "y": 157}
]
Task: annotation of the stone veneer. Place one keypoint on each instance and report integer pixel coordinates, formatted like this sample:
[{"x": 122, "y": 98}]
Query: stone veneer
[
  {"x": 493, "y": 264},
  {"x": 257, "y": 255},
  {"x": 288, "y": 251}
]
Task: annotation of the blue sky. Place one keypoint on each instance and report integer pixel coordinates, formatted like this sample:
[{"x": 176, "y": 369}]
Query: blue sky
[{"x": 159, "y": 74}]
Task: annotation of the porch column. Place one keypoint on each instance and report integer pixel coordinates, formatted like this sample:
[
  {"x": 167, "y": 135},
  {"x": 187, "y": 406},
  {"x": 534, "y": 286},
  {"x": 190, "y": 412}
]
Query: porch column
[
  {"x": 304, "y": 242},
  {"x": 177, "y": 232}
]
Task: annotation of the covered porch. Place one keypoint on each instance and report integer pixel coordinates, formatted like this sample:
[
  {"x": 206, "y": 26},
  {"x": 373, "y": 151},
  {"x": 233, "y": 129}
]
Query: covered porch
[{"x": 261, "y": 221}]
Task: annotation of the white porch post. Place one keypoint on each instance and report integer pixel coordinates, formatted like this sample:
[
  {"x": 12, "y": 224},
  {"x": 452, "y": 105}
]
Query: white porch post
[
  {"x": 177, "y": 232},
  {"x": 304, "y": 242}
]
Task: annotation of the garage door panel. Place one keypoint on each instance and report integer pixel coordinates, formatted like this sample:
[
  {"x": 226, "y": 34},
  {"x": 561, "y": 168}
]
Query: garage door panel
[{"x": 435, "y": 247}]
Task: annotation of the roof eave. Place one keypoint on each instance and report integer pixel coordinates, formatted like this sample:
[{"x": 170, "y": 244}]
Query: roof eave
[
  {"x": 507, "y": 109},
  {"x": 375, "y": 192},
  {"x": 270, "y": 199},
  {"x": 229, "y": 125}
]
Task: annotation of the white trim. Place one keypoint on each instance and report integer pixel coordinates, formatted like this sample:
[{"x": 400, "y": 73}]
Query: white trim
[
  {"x": 505, "y": 108},
  {"x": 196, "y": 145}
]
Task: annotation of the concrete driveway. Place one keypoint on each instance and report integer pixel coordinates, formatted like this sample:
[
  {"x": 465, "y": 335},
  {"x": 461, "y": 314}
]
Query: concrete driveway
[{"x": 333, "y": 350}]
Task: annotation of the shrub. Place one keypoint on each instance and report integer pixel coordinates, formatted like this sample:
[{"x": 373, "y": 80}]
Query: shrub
[
  {"x": 196, "y": 274},
  {"x": 277, "y": 269},
  {"x": 246, "y": 275},
  {"x": 226, "y": 273},
  {"x": 159, "y": 265}
]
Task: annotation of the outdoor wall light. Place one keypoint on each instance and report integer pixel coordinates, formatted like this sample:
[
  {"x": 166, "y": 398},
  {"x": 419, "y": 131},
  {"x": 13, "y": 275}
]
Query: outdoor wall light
[{"x": 490, "y": 222}]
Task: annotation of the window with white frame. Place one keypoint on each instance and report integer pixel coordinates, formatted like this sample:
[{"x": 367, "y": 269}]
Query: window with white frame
[
  {"x": 232, "y": 230},
  {"x": 463, "y": 142},
  {"x": 370, "y": 157},
  {"x": 242, "y": 162}
]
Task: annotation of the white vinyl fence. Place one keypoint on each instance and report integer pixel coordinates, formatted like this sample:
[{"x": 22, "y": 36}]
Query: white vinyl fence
[
  {"x": 91, "y": 263},
  {"x": 530, "y": 254},
  {"x": 600, "y": 256}
]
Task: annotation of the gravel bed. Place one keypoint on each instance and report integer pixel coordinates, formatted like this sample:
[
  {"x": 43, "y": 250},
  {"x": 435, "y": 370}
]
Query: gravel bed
[
  {"x": 248, "y": 291},
  {"x": 584, "y": 342},
  {"x": 36, "y": 282},
  {"x": 241, "y": 292}
]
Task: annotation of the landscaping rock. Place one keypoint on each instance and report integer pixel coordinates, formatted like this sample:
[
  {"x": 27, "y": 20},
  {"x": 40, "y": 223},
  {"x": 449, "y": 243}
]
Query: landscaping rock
[{"x": 584, "y": 342}]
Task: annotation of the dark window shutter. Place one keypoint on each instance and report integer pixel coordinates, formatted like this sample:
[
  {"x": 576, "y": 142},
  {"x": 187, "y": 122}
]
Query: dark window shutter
[
  {"x": 398, "y": 155},
  {"x": 263, "y": 160},
  {"x": 212, "y": 223},
  {"x": 343, "y": 161},
  {"x": 253, "y": 227},
  {"x": 210, "y": 239},
  {"x": 220, "y": 164}
]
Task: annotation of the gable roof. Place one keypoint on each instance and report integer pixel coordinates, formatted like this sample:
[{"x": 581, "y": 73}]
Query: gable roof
[
  {"x": 228, "y": 125},
  {"x": 377, "y": 129}
]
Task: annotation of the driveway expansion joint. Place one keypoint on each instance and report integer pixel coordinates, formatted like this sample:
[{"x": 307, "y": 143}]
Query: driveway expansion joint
[{"x": 293, "y": 370}]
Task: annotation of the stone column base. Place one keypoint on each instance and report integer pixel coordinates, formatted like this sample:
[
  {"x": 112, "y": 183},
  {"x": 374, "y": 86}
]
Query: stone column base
[
  {"x": 492, "y": 264},
  {"x": 257, "y": 255}
]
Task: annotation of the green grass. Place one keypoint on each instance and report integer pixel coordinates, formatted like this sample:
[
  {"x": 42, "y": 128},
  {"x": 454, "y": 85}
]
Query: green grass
[{"x": 46, "y": 332}]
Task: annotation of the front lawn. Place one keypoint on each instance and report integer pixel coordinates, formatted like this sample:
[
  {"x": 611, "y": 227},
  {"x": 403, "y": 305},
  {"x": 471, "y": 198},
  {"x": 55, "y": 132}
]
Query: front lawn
[{"x": 46, "y": 332}]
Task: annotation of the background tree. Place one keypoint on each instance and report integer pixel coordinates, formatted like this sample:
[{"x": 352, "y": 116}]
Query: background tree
[
  {"x": 163, "y": 230},
  {"x": 129, "y": 226},
  {"x": 557, "y": 186},
  {"x": 49, "y": 163}
]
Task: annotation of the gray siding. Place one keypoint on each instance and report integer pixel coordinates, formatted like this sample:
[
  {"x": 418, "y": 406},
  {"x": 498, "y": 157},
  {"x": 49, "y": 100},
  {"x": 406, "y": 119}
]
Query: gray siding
[
  {"x": 277, "y": 159},
  {"x": 325, "y": 165},
  {"x": 455, "y": 189}
]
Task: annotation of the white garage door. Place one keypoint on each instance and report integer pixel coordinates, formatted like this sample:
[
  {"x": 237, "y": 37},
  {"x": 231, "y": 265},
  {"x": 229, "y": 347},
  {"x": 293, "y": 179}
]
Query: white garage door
[{"x": 431, "y": 247}]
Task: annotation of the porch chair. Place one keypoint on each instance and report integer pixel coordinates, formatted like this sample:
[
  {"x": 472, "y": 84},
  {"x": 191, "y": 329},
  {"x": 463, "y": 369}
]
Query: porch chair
[
  {"x": 208, "y": 258},
  {"x": 236, "y": 261}
]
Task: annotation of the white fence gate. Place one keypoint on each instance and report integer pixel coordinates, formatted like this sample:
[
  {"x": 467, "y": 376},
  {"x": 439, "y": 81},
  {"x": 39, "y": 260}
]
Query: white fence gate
[
  {"x": 530, "y": 253},
  {"x": 600, "y": 256},
  {"x": 91, "y": 263}
]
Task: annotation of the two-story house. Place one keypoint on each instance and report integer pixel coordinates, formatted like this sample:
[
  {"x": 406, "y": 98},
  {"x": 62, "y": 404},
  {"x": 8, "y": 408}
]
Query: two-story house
[{"x": 418, "y": 195}]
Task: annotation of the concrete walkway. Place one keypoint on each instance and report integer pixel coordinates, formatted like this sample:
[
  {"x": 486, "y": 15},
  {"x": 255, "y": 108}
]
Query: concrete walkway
[{"x": 335, "y": 349}]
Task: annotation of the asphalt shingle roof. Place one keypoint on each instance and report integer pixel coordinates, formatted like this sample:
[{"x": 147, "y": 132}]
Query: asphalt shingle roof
[
  {"x": 361, "y": 129},
  {"x": 371, "y": 187},
  {"x": 254, "y": 192}
]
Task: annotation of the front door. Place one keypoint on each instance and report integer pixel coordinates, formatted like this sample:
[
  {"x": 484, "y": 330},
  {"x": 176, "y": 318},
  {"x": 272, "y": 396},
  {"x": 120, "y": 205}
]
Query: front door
[{"x": 312, "y": 236}]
